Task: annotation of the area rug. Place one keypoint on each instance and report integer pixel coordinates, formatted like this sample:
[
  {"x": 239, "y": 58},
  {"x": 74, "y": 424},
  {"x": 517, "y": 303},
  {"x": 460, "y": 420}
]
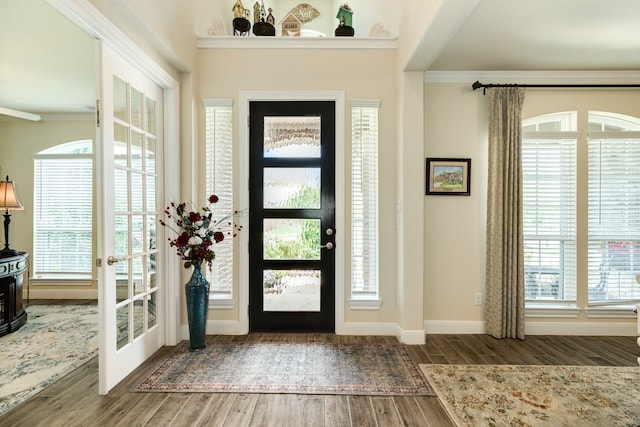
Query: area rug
[
  {"x": 301, "y": 368},
  {"x": 495, "y": 395},
  {"x": 55, "y": 340}
]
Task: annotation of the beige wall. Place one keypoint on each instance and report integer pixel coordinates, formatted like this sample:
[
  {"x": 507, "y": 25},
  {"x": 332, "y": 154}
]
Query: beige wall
[
  {"x": 361, "y": 75},
  {"x": 19, "y": 141},
  {"x": 455, "y": 126}
]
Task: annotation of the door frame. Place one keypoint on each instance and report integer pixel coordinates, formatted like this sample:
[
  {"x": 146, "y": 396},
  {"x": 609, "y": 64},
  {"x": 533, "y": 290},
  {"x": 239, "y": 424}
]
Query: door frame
[
  {"x": 243, "y": 175},
  {"x": 90, "y": 20}
]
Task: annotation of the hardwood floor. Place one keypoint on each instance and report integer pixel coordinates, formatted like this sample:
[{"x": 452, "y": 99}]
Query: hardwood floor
[{"x": 74, "y": 400}]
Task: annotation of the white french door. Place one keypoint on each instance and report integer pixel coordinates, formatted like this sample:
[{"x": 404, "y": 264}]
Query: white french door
[{"x": 129, "y": 171}]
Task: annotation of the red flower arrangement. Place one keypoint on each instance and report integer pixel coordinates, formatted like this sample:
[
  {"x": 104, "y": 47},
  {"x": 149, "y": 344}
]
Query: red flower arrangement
[{"x": 198, "y": 231}]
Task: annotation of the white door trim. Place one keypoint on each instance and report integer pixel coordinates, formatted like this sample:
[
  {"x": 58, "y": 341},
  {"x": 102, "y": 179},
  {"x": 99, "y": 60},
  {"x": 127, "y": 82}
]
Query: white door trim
[
  {"x": 88, "y": 18},
  {"x": 243, "y": 174}
]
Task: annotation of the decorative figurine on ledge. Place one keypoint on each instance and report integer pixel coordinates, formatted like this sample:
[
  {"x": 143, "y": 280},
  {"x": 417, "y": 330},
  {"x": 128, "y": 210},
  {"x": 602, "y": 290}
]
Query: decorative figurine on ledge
[
  {"x": 263, "y": 27},
  {"x": 344, "y": 28},
  {"x": 241, "y": 24}
]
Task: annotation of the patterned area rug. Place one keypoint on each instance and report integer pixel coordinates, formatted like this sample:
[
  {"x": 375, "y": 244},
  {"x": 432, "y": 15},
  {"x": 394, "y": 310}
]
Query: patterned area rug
[
  {"x": 302, "y": 368},
  {"x": 495, "y": 395},
  {"x": 55, "y": 340}
]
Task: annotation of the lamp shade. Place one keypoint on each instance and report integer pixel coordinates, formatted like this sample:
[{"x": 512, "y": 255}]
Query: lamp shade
[{"x": 8, "y": 197}]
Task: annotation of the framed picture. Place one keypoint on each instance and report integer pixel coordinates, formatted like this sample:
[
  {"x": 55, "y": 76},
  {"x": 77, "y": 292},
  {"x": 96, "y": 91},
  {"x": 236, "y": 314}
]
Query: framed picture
[{"x": 448, "y": 177}]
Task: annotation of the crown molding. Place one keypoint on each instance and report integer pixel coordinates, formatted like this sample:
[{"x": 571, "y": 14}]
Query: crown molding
[
  {"x": 534, "y": 77},
  {"x": 249, "y": 42}
]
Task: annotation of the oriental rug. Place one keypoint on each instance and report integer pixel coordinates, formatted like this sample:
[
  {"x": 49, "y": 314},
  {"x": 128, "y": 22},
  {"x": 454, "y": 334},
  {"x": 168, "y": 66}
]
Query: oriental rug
[
  {"x": 56, "y": 340},
  {"x": 499, "y": 395},
  {"x": 284, "y": 367}
]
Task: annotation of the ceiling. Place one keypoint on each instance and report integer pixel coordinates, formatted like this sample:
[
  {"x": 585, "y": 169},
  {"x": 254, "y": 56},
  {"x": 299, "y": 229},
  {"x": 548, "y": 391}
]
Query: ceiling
[{"x": 47, "y": 63}]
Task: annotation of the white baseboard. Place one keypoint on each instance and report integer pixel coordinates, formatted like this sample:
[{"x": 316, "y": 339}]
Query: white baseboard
[
  {"x": 40, "y": 293},
  {"x": 581, "y": 328},
  {"x": 536, "y": 328}
]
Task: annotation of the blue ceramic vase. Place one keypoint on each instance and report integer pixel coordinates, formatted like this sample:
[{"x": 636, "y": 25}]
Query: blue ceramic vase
[{"x": 197, "y": 296}]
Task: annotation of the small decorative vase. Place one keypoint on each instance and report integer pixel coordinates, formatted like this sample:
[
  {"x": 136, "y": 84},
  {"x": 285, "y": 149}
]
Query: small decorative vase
[{"x": 197, "y": 296}]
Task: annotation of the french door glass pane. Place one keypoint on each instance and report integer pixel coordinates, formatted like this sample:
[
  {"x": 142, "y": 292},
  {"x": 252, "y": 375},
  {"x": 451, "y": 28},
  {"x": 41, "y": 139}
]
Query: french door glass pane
[
  {"x": 297, "y": 136},
  {"x": 119, "y": 98},
  {"x": 291, "y": 238},
  {"x": 292, "y": 188},
  {"x": 122, "y": 323},
  {"x": 291, "y": 290}
]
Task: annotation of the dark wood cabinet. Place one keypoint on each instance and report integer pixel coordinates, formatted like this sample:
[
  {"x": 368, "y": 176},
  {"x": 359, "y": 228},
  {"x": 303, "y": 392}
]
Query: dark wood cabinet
[{"x": 12, "y": 313}]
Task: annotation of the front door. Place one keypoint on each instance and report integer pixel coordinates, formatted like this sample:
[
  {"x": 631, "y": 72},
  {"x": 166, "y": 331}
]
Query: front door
[
  {"x": 129, "y": 176},
  {"x": 292, "y": 221}
]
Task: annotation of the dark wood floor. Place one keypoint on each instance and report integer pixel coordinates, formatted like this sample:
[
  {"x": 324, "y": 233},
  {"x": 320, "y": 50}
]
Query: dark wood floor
[{"x": 74, "y": 400}]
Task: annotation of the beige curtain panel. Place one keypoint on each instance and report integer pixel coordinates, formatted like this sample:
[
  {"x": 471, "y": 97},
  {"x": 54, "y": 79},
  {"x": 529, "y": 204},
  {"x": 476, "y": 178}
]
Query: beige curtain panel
[{"x": 505, "y": 247}]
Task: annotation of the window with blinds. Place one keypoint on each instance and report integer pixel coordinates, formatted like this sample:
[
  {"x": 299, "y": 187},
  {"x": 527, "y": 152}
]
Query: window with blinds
[
  {"x": 549, "y": 207},
  {"x": 614, "y": 209},
  {"x": 63, "y": 211},
  {"x": 364, "y": 200},
  {"x": 219, "y": 181}
]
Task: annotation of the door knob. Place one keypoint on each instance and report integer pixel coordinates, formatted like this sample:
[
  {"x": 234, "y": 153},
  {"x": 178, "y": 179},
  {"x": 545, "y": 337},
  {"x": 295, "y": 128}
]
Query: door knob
[
  {"x": 329, "y": 245},
  {"x": 112, "y": 260}
]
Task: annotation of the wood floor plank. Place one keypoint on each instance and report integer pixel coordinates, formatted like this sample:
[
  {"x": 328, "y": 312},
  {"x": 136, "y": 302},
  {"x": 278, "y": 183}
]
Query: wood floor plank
[
  {"x": 409, "y": 411},
  {"x": 385, "y": 411},
  {"x": 165, "y": 415},
  {"x": 241, "y": 410},
  {"x": 336, "y": 411},
  {"x": 361, "y": 411}
]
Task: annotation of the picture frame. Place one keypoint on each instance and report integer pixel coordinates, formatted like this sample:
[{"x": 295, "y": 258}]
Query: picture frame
[{"x": 448, "y": 177}]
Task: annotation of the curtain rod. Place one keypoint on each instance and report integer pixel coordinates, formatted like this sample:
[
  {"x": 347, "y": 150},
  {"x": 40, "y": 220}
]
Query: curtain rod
[{"x": 477, "y": 85}]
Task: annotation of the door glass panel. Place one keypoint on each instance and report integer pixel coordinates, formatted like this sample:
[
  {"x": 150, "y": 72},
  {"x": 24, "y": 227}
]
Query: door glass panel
[
  {"x": 122, "y": 281},
  {"x": 151, "y": 271},
  {"x": 291, "y": 290},
  {"x": 291, "y": 188},
  {"x": 137, "y": 142},
  {"x": 291, "y": 238},
  {"x": 136, "y": 191},
  {"x": 150, "y": 153},
  {"x": 137, "y": 278},
  {"x": 151, "y": 232},
  {"x": 136, "y": 107},
  {"x": 151, "y": 116},
  {"x": 152, "y": 302},
  {"x": 119, "y": 98},
  {"x": 121, "y": 235},
  {"x": 138, "y": 318},
  {"x": 120, "y": 200},
  {"x": 297, "y": 136},
  {"x": 121, "y": 137},
  {"x": 137, "y": 234},
  {"x": 122, "y": 323}
]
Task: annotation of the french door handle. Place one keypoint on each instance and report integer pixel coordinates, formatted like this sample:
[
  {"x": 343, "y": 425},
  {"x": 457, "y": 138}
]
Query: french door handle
[
  {"x": 112, "y": 260},
  {"x": 329, "y": 245}
]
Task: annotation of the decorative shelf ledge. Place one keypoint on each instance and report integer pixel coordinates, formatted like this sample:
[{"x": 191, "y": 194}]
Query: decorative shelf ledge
[{"x": 254, "y": 42}]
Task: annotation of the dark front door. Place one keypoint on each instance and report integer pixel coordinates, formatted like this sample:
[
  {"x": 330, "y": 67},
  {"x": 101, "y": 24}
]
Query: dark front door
[{"x": 292, "y": 204}]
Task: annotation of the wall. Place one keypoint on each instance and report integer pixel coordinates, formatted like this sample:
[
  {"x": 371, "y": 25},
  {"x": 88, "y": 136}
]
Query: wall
[
  {"x": 361, "y": 75},
  {"x": 19, "y": 141},
  {"x": 456, "y": 126}
]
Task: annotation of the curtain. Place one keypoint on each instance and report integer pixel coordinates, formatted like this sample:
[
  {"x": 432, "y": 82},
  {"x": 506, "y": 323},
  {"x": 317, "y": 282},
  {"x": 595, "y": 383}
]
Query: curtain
[{"x": 505, "y": 260}]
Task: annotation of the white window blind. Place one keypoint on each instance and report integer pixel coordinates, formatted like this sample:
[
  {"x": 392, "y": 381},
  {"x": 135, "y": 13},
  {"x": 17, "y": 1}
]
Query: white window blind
[
  {"x": 63, "y": 212},
  {"x": 219, "y": 181},
  {"x": 364, "y": 200},
  {"x": 549, "y": 215},
  {"x": 614, "y": 216}
]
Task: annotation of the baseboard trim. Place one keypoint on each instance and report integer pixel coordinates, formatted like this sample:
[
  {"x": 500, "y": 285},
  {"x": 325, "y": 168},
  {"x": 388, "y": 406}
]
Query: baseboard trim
[
  {"x": 536, "y": 328},
  {"x": 39, "y": 293}
]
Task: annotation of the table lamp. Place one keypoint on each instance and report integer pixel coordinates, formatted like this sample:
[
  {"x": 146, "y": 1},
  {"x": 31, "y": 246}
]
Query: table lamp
[{"x": 9, "y": 202}]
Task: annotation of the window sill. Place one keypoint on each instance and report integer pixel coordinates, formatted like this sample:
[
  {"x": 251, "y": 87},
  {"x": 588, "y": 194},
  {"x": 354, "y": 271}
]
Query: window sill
[
  {"x": 365, "y": 304},
  {"x": 613, "y": 312},
  {"x": 544, "y": 310},
  {"x": 221, "y": 302}
]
